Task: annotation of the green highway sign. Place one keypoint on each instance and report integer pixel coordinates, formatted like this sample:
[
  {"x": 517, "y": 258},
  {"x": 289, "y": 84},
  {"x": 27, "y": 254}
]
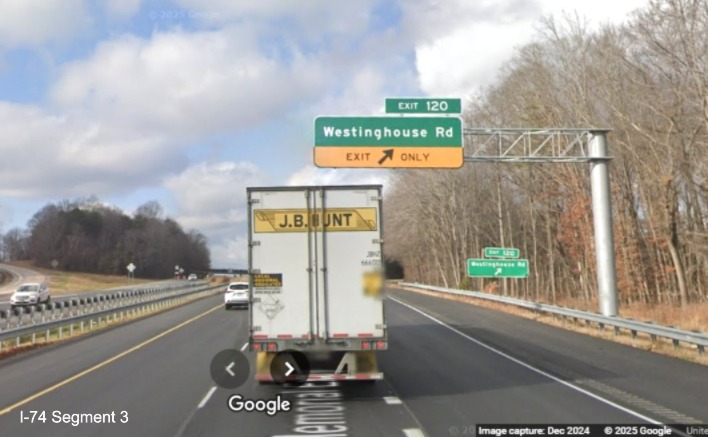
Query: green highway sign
[
  {"x": 498, "y": 268},
  {"x": 423, "y": 106},
  {"x": 388, "y": 131},
  {"x": 500, "y": 252},
  {"x": 388, "y": 142}
]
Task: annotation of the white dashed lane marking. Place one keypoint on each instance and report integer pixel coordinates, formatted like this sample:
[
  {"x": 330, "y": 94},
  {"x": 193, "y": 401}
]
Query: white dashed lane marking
[{"x": 392, "y": 400}]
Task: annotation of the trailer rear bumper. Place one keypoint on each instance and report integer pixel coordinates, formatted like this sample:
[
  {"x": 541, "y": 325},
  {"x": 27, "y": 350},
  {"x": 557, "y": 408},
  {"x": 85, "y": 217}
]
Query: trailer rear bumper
[
  {"x": 352, "y": 366},
  {"x": 330, "y": 377}
]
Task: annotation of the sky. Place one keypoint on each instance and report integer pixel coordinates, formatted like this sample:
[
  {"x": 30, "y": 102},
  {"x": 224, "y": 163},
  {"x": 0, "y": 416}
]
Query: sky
[{"x": 188, "y": 102}]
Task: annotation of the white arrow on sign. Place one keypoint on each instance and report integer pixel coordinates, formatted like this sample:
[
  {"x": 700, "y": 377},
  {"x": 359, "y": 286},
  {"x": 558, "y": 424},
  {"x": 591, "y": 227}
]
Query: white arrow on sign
[
  {"x": 290, "y": 369},
  {"x": 498, "y": 271}
]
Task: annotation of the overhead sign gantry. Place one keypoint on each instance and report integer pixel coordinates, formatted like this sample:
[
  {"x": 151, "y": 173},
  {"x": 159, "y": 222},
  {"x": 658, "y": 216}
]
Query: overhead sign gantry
[{"x": 436, "y": 141}]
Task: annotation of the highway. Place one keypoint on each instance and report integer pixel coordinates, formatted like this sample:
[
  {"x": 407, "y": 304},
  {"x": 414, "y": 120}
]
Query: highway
[{"x": 449, "y": 366}]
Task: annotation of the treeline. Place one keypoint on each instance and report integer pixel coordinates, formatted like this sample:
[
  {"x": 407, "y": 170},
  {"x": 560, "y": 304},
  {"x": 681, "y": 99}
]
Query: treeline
[
  {"x": 647, "y": 80},
  {"x": 89, "y": 236}
]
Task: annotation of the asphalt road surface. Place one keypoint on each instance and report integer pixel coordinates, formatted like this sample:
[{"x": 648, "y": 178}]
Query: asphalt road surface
[
  {"x": 19, "y": 275},
  {"x": 449, "y": 367}
]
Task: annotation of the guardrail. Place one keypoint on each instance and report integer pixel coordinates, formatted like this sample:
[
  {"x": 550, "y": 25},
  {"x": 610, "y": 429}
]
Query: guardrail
[
  {"x": 134, "y": 303},
  {"x": 697, "y": 338},
  {"x": 92, "y": 301}
]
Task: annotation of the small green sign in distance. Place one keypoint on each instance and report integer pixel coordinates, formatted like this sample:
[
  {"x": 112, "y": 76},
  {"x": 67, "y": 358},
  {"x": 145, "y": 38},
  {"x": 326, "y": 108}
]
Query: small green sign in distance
[
  {"x": 501, "y": 252},
  {"x": 498, "y": 268},
  {"x": 423, "y": 106}
]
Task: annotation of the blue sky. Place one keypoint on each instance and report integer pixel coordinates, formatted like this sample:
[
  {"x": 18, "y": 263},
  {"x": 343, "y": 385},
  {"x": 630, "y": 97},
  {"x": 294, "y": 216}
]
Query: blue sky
[{"x": 188, "y": 102}]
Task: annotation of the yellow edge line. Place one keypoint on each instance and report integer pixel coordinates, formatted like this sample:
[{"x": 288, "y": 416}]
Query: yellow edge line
[{"x": 104, "y": 363}]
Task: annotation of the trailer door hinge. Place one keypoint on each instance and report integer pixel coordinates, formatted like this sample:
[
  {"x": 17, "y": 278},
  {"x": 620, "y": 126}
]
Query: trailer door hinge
[
  {"x": 377, "y": 241},
  {"x": 376, "y": 198},
  {"x": 255, "y": 243},
  {"x": 252, "y": 201},
  {"x": 256, "y": 328},
  {"x": 253, "y": 271},
  {"x": 381, "y": 326},
  {"x": 255, "y": 300}
]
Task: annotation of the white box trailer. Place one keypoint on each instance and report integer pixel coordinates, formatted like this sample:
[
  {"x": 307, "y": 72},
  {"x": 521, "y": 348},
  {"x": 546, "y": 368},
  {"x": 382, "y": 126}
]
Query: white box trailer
[{"x": 316, "y": 278}]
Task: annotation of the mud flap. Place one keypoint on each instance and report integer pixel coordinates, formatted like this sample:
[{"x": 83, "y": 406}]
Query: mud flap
[
  {"x": 357, "y": 363},
  {"x": 263, "y": 360}
]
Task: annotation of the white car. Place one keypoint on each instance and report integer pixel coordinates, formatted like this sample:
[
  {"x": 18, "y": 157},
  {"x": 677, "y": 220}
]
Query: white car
[
  {"x": 30, "y": 294},
  {"x": 236, "y": 295},
  {"x": 192, "y": 277}
]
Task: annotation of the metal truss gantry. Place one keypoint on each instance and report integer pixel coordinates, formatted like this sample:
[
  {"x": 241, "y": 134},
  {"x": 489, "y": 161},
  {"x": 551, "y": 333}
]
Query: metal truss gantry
[
  {"x": 530, "y": 145},
  {"x": 561, "y": 146}
]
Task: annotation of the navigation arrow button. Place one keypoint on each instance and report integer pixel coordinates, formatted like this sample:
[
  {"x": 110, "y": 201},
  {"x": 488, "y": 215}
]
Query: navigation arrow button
[
  {"x": 290, "y": 369},
  {"x": 229, "y": 368}
]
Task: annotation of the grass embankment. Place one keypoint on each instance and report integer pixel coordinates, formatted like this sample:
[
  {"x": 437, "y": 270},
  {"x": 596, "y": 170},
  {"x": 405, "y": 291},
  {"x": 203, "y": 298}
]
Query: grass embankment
[
  {"x": 693, "y": 317},
  {"x": 61, "y": 282}
]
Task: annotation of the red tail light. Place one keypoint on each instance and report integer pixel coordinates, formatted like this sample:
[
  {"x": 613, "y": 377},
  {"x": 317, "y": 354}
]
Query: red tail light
[
  {"x": 256, "y": 346},
  {"x": 380, "y": 344},
  {"x": 272, "y": 346},
  {"x": 365, "y": 345}
]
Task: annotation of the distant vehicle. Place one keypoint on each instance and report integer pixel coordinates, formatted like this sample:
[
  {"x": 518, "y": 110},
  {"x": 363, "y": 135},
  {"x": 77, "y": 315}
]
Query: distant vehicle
[
  {"x": 30, "y": 294},
  {"x": 192, "y": 277},
  {"x": 236, "y": 295}
]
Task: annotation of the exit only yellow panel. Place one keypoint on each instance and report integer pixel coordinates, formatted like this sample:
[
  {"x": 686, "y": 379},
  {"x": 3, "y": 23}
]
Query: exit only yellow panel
[{"x": 393, "y": 157}]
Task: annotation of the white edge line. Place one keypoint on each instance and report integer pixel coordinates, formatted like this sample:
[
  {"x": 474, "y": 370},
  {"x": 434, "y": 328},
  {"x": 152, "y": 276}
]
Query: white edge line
[
  {"x": 392, "y": 400},
  {"x": 413, "y": 432},
  {"x": 207, "y": 397},
  {"x": 243, "y": 348},
  {"x": 530, "y": 367}
]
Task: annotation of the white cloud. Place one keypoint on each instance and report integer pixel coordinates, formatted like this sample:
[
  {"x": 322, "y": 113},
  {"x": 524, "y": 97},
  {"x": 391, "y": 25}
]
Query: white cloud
[
  {"x": 214, "y": 188},
  {"x": 456, "y": 64},
  {"x": 311, "y": 175},
  {"x": 460, "y": 45},
  {"x": 211, "y": 197},
  {"x": 230, "y": 252},
  {"x": 35, "y": 22},
  {"x": 122, "y": 8},
  {"x": 187, "y": 83},
  {"x": 424, "y": 21},
  {"x": 62, "y": 156}
]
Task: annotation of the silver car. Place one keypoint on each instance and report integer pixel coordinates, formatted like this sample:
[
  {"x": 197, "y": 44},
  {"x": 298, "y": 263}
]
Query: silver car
[
  {"x": 236, "y": 295},
  {"x": 30, "y": 294}
]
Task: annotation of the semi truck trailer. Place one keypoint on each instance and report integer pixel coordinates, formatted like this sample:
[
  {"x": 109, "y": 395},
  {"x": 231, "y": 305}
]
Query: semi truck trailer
[{"x": 315, "y": 256}]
